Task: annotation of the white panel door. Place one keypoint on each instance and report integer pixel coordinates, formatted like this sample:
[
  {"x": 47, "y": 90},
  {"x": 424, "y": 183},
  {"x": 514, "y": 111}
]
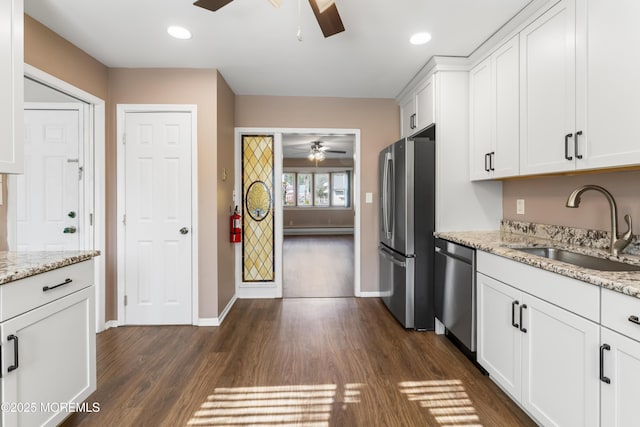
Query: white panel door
[
  {"x": 622, "y": 367},
  {"x": 158, "y": 218},
  {"x": 547, "y": 91},
  {"x": 49, "y": 192},
  {"x": 499, "y": 335},
  {"x": 560, "y": 361}
]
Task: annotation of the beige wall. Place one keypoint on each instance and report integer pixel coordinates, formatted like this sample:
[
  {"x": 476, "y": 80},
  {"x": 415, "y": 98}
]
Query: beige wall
[
  {"x": 545, "y": 199},
  {"x": 379, "y": 124},
  {"x": 225, "y": 163},
  {"x": 185, "y": 86}
]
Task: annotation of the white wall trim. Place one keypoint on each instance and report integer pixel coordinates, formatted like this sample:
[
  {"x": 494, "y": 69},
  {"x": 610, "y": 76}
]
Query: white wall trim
[
  {"x": 372, "y": 294},
  {"x": 217, "y": 321},
  {"x": 96, "y": 127},
  {"x": 271, "y": 290},
  {"x": 121, "y": 111},
  {"x": 111, "y": 324}
]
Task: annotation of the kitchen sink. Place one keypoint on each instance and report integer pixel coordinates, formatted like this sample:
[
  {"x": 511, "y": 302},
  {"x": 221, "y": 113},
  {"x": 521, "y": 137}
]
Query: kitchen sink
[{"x": 579, "y": 260}]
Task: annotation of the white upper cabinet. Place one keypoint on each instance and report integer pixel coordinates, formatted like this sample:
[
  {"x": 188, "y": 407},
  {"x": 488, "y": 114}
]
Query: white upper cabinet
[
  {"x": 494, "y": 131},
  {"x": 417, "y": 109},
  {"x": 11, "y": 86},
  {"x": 608, "y": 92},
  {"x": 547, "y": 91}
]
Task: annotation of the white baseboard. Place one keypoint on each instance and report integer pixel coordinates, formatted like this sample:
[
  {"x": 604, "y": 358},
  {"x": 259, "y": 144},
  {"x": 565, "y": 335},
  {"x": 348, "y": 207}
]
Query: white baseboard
[
  {"x": 370, "y": 294},
  {"x": 217, "y": 321},
  {"x": 111, "y": 324},
  {"x": 317, "y": 231}
]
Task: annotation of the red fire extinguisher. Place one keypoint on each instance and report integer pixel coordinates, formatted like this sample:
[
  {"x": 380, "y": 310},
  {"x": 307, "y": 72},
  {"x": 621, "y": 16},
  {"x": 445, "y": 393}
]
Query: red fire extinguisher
[{"x": 236, "y": 231}]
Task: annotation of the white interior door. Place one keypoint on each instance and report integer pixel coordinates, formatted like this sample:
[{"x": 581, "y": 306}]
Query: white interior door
[
  {"x": 157, "y": 251},
  {"x": 49, "y": 193}
]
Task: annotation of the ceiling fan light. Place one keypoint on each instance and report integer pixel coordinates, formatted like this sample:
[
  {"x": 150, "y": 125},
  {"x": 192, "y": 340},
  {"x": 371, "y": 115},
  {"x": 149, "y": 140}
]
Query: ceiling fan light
[
  {"x": 320, "y": 156},
  {"x": 275, "y": 3},
  {"x": 324, "y": 4},
  {"x": 311, "y": 156}
]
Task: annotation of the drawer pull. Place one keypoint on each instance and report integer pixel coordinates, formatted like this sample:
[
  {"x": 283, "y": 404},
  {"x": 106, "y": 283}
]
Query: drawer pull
[
  {"x": 49, "y": 288},
  {"x": 15, "y": 353},
  {"x": 634, "y": 319},
  {"x": 522, "y": 308},
  {"x": 513, "y": 314}
]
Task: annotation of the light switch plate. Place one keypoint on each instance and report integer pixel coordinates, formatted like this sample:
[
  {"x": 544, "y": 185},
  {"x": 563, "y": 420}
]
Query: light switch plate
[
  {"x": 520, "y": 206},
  {"x": 368, "y": 197}
]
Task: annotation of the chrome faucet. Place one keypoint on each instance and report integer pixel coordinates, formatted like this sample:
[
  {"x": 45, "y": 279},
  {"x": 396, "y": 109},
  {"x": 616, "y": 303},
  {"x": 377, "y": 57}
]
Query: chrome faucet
[{"x": 617, "y": 244}]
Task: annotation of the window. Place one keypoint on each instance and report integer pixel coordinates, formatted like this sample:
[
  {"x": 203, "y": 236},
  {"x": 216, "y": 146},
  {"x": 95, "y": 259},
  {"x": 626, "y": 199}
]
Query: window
[
  {"x": 289, "y": 189},
  {"x": 305, "y": 184},
  {"x": 319, "y": 189}
]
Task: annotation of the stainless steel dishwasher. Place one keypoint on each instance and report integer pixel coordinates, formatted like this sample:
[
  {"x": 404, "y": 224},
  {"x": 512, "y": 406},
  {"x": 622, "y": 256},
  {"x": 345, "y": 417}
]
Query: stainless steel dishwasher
[{"x": 455, "y": 296}]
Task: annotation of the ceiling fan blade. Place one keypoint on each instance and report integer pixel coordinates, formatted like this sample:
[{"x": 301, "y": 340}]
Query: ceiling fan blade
[
  {"x": 329, "y": 20},
  {"x": 335, "y": 151},
  {"x": 212, "y": 5}
]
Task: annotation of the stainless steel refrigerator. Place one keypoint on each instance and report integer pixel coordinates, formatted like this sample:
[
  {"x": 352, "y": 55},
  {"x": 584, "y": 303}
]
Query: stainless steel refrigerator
[{"x": 407, "y": 221}]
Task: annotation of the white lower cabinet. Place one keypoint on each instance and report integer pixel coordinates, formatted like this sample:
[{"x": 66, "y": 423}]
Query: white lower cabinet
[
  {"x": 621, "y": 378},
  {"x": 48, "y": 360},
  {"x": 542, "y": 355}
]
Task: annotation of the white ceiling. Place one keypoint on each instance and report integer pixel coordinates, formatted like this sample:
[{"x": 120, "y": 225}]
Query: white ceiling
[
  {"x": 298, "y": 145},
  {"x": 255, "y": 47}
]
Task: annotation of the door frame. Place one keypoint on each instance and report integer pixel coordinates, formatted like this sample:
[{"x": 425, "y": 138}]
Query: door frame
[
  {"x": 121, "y": 111},
  {"x": 267, "y": 290},
  {"x": 94, "y": 186}
]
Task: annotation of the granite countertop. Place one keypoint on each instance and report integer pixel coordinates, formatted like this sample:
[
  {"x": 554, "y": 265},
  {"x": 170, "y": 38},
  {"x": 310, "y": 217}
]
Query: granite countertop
[
  {"x": 502, "y": 243},
  {"x": 19, "y": 265}
]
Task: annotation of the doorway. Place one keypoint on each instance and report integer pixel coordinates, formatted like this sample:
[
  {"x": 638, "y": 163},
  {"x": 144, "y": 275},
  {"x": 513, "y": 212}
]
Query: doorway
[
  {"x": 156, "y": 204},
  {"x": 338, "y": 237}
]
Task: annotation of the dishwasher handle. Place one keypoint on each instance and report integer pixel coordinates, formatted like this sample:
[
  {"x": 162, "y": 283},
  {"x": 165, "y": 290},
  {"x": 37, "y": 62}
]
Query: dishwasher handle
[
  {"x": 454, "y": 256},
  {"x": 388, "y": 255}
]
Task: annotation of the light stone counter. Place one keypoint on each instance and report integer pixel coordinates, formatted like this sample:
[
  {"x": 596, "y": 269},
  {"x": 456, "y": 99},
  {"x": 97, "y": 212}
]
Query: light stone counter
[
  {"x": 501, "y": 243},
  {"x": 19, "y": 265}
]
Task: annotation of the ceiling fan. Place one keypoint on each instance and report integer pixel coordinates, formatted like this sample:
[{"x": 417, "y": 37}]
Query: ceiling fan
[
  {"x": 318, "y": 151},
  {"x": 325, "y": 11}
]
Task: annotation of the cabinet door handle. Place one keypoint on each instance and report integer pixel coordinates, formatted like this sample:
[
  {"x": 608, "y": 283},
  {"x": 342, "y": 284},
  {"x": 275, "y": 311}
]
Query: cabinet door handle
[
  {"x": 49, "y": 288},
  {"x": 578, "y": 156},
  {"x": 522, "y": 308},
  {"x": 513, "y": 314},
  {"x": 15, "y": 353},
  {"x": 604, "y": 379},
  {"x": 492, "y": 156},
  {"x": 566, "y": 146},
  {"x": 634, "y": 319},
  {"x": 486, "y": 162}
]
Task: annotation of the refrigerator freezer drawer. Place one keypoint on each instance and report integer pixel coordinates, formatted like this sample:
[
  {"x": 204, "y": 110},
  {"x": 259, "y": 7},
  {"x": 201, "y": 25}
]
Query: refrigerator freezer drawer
[{"x": 397, "y": 285}]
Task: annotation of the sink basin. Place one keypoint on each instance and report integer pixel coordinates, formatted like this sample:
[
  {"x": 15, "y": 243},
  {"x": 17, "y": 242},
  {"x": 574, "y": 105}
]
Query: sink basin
[{"x": 580, "y": 260}]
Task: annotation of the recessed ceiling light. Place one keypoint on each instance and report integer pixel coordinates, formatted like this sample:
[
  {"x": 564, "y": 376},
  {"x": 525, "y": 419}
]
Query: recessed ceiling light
[
  {"x": 179, "y": 32},
  {"x": 420, "y": 38}
]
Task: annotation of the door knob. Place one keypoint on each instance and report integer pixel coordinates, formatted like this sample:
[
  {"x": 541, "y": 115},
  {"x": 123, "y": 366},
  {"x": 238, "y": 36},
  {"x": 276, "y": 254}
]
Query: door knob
[
  {"x": 69, "y": 230},
  {"x": 71, "y": 214},
  {"x": 184, "y": 230}
]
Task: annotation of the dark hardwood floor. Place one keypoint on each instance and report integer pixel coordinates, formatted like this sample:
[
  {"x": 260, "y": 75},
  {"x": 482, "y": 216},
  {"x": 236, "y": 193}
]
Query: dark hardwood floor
[
  {"x": 292, "y": 362},
  {"x": 318, "y": 266}
]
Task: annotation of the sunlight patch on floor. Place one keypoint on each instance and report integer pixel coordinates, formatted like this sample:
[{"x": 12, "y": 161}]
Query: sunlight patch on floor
[
  {"x": 274, "y": 406},
  {"x": 446, "y": 400}
]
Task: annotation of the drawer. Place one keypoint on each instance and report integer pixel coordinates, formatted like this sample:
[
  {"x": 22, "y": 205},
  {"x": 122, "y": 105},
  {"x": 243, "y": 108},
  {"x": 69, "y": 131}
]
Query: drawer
[
  {"x": 26, "y": 294},
  {"x": 616, "y": 310}
]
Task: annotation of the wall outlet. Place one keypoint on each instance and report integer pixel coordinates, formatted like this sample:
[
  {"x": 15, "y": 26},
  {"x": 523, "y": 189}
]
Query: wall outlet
[
  {"x": 368, "y": 197},
  {"x": 520, "y": 206}
]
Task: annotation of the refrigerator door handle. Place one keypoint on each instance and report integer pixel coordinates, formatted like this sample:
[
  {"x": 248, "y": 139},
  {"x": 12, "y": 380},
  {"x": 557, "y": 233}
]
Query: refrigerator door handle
[
  {"x": 386, "y": 217},
  {"x": 391, "y": 258}
]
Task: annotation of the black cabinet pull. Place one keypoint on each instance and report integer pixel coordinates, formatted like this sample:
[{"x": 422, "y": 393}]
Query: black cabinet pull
[
  {"x": 15, "y": 353},
  {"x": 486, "y": 162},
  {"x": 513, "y": 314},
  {"x": 604, "y": 379},
  {"x": 566, "y": 146},
  {"x": 522, "y": 308},
  {"x": 48, "y": 288},
  {"x": 492, "y": 156},
  {"x": 578, "y": 156},
  {"x": 634, "y": 319}
]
